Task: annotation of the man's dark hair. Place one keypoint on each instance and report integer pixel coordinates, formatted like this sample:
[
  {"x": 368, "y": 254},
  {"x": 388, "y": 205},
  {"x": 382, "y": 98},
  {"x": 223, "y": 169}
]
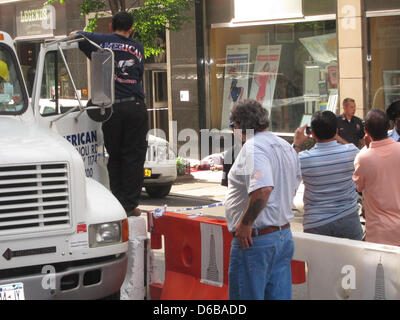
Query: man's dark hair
[
  {"x": 324, "y": 124},
  {"x": 122, "y": 21},
  {"x": 249, "y": 114},
  {"x": 393, "y": 111},
  {"x": 377, "y": 124}
]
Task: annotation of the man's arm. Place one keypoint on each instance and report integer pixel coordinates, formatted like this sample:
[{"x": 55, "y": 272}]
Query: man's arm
[
  {"x": 257, "y": 201},
  {"x": 358, "y": 176},
  {"x": 299, "y": 138},
  {"x": 86, "y": 47}
]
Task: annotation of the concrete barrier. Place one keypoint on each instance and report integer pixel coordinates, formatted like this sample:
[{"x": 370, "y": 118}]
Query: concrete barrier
[
  {"x": 134, "y": 286},
  {"x": 348, "y": 269},
  {"x": 336, "y": 268}
]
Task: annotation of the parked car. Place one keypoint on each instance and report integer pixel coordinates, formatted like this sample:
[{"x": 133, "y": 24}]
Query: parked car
[{"x": 160, "y": 168}]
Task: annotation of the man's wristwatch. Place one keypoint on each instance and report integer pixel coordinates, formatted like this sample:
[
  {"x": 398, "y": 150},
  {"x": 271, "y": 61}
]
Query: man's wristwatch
[{"x": 294, "y": 145}]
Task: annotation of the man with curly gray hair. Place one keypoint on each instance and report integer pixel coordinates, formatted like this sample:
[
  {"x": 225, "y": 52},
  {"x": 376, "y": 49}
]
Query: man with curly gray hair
[{"x": 262, "y": 183}]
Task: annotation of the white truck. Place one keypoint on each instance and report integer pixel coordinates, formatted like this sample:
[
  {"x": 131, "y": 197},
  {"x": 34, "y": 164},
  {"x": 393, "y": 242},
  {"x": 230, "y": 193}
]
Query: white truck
[{"x": 62, "y": 235}]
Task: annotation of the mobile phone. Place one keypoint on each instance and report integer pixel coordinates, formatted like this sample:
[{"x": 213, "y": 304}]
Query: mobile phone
[{"x": 308, "y": 130}]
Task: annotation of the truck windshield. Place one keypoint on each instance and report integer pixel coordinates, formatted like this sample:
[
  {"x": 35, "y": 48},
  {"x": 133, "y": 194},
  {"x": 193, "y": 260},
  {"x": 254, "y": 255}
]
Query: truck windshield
[{"x": 12, "y": 98}]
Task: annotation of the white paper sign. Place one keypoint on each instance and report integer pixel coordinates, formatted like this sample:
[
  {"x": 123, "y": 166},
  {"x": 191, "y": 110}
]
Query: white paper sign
[
  {"x": 256, "y": 10},
  {"x": 212, "y": 255}
]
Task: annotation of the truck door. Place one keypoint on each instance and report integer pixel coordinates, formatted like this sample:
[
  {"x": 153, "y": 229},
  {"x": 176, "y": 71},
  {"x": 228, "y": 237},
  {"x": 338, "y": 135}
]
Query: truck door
[{"x": 59, "y": 100}]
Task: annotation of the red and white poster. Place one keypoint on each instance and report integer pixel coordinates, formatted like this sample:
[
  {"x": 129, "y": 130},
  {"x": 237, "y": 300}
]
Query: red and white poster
[
  {"x": 264, "y": 76},
  {"x": 236, "y": 80}
]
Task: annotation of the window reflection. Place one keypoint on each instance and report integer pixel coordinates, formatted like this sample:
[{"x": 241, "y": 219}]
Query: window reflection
[{"x": 291, "y": 69}]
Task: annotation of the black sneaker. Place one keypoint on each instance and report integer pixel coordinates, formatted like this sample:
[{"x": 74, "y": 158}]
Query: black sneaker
[{"x": 136, "y": 212}]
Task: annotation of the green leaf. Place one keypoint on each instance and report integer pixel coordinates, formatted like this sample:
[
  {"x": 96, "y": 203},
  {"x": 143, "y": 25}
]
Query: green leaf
[{"x": 150, "y": 20}]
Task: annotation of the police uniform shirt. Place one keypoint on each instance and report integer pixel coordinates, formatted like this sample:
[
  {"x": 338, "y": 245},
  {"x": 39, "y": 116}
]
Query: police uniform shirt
[{"x": 351, "y": 131}]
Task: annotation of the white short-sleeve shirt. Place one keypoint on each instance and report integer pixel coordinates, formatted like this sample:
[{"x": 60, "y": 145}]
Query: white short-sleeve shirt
[{"x": 264, "y": 161}]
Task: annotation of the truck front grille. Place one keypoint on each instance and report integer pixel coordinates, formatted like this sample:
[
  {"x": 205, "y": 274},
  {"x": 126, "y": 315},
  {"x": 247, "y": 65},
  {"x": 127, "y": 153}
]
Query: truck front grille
[{"x": 34, "y": 197}]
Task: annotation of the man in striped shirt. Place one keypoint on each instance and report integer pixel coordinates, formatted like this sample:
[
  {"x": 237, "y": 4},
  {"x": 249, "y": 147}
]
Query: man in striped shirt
[{"x": 330, "y": 197}]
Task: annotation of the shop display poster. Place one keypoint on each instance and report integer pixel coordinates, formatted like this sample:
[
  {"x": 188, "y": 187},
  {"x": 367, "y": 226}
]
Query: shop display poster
[
  {"x": 264, "y": 76},
  {"x": 236, "y": 79}
]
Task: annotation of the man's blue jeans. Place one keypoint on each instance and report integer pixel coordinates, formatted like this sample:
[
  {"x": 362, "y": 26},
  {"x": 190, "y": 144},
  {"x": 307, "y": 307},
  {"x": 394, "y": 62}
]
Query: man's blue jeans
[
  {"x": 263, "y": 271},
  {"x": 347, "y": 227}
]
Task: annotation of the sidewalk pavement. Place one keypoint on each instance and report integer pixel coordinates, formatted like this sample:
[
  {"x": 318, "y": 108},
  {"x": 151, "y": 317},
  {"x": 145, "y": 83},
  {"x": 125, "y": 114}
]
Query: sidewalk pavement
[{"x": 207, "y": 185}]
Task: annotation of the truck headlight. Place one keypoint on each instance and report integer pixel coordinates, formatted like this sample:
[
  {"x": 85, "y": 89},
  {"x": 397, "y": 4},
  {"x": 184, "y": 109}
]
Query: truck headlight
[{"x": 105, "y": 234}]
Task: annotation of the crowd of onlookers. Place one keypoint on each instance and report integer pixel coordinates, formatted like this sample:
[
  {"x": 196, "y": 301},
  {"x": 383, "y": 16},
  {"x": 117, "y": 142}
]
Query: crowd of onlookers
[
  {"x": 335, "y": 170},
  {"x": 351, "y": 159}
]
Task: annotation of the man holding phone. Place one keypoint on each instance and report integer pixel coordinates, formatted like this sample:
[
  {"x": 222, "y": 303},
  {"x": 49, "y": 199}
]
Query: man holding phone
[{"x": 330, "y": 197}]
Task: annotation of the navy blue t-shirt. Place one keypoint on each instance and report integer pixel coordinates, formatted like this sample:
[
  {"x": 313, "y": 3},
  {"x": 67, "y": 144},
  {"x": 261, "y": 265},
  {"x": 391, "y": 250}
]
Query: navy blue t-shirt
[{"x": 128, "y": 57}]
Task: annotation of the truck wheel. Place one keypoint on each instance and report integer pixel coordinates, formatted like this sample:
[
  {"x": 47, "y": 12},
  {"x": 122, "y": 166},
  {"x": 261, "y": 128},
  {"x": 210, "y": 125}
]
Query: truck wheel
[{"x": 158, "y": 191}]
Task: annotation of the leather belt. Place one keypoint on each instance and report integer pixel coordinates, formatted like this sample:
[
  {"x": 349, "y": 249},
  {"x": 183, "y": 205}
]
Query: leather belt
[
  {"x": 127, "y": 99},
  {"x": 266, "y": 230}
]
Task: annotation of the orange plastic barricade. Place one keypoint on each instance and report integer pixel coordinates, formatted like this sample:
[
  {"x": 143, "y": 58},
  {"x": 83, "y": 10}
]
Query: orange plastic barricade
[
  {"x": 197, "y": 251},
  {"x": 298, "y": 272}
]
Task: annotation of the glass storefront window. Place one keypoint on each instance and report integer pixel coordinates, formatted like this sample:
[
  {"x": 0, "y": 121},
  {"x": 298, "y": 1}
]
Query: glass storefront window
[
  {"x": 384, "y": 66},
  {"x": 290, "y": 68}
]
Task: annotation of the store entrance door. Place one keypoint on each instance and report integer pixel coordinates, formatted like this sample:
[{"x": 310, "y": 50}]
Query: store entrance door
[{"x": 155, "y": 87}]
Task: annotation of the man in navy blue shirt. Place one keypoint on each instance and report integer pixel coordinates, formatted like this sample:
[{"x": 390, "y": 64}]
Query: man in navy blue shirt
[{"x": 125, "y": 132}]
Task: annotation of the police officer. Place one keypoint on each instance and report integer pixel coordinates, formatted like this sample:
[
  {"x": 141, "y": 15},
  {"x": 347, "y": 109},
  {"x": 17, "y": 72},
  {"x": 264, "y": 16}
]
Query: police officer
[
  {"x": 125, "y": 132},
  {"x": 350, "y": 127},
  {"x": 393, "y": 113}
]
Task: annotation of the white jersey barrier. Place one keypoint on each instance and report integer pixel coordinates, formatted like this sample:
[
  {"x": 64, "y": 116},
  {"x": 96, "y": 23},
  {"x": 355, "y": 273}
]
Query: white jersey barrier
[
  {"x": 348, "y": 269},
  {"x": 133, "y": 287},
  {"x": 336, "y": 268},
  {"x": 142, "y": 265}
]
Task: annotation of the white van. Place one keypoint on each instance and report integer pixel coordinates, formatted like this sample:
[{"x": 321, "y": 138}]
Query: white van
[{"x": 62, "y": 235}]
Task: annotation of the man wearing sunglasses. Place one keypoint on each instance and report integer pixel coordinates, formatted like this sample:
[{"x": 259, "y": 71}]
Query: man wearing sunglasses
[{"x": 261, "y": 186}]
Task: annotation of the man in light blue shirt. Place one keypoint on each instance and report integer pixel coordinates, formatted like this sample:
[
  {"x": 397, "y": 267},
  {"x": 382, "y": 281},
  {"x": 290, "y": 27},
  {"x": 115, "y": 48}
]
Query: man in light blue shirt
[
  {"x": 393, "y": 113},
  {"x": 330, "y": 196}
]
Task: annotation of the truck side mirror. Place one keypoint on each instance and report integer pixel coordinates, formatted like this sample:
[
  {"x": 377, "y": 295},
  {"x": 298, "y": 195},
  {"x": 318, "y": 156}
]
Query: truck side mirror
[{"x": 102, "y": 78}]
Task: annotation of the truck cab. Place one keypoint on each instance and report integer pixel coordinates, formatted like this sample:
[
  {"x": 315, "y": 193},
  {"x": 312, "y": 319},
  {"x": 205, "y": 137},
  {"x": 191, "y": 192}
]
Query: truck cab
[{"x": 63, "y": 235}]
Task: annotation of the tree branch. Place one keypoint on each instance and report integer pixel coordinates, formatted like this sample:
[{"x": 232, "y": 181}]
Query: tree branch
[
  {"x": 122, "y": 4},
  {"x": 113, "y": 6}
]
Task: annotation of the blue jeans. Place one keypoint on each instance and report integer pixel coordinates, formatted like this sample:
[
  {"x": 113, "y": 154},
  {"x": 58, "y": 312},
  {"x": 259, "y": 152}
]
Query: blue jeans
[
  {"x": 263, "y": 271},
  {"x": 347, "y": 227}
]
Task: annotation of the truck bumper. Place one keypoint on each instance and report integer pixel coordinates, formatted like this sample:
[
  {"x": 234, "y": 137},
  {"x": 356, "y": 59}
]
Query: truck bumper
[{"x": 95, "y": 279}]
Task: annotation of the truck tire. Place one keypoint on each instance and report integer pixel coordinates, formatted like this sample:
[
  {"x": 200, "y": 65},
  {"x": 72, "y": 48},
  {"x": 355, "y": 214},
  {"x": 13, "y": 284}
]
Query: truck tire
[{"x": 158, "y": 191}]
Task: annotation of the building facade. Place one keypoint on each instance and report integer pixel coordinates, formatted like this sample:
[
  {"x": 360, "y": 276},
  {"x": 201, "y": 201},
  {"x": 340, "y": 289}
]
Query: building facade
[
  {"x": 322, "y": 51},
  {"x": 30, "y": 24},
  {"x": 295, "y": 57}
]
